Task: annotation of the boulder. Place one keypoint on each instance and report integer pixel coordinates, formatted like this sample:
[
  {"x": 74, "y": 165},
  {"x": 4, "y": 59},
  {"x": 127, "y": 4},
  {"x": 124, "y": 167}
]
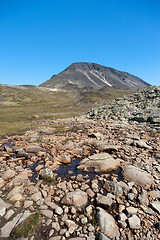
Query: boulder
[
  {"x": 76, "y": 198},
  {"x": 107, "y": 224},
  {"x": 156, "y": 206},
  {"x": 101, "y": 162},
  {"x": 137, "y": 175},
  {"x": 134, "y": 222}
]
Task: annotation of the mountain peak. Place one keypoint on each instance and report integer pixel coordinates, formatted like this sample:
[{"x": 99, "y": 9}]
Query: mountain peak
[{"x": 92, "y": 76}]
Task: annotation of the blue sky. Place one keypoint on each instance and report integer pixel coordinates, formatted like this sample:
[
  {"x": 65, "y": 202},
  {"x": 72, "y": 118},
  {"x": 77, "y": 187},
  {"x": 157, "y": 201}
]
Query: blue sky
[{"x": 39, "y": 38}]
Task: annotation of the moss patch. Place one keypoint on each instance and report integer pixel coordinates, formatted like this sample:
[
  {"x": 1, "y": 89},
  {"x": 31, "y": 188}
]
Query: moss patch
[{"x": 26, "y": 226}]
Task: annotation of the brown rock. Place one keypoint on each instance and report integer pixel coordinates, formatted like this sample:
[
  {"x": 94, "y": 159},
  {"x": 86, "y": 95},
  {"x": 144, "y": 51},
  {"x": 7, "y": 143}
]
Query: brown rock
[
  {"x": 102, "y": 162},
  {"x": 8, "y": 174},
  {"x": 17, "y": 197},
  {"x": 2, "y": 182},
  {"x": 36, "y": 196},
  {"x": 76, "y": 198}
]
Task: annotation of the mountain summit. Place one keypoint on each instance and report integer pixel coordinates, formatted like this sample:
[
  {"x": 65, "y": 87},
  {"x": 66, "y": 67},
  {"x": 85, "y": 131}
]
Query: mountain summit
[{"x": 91, "y": 76}]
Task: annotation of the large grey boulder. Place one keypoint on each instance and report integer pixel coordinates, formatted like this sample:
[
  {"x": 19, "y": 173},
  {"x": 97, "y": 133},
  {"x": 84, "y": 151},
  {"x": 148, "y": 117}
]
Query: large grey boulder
[
  {"x": 107, "y": 224},
  {"x": 76, "y": 198},
  {"x": 101, "y": 162},
  {"x": 137, "y": 175}
]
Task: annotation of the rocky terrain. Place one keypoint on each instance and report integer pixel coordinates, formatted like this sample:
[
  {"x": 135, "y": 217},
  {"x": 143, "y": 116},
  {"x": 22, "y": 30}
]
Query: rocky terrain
[
  {"x": 104, "y": 184},
  {"x": 91, "y": 76},
  {"x": 142, "y": 106}
]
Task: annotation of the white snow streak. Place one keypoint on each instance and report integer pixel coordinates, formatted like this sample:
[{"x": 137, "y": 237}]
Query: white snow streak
[{"x": 100, "y": 76}]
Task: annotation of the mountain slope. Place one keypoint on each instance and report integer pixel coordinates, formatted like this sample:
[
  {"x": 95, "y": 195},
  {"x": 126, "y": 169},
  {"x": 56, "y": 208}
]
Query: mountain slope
[{"x": 91, "y": 76}]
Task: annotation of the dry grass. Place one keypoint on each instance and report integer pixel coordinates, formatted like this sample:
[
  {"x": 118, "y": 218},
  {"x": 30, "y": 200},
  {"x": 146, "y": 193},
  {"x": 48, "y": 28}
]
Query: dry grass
[{"x": 19, "y": 104}]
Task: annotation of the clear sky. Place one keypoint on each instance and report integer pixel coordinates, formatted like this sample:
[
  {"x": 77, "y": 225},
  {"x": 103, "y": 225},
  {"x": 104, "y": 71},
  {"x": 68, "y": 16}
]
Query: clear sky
[{"x": 39, "y": 38}]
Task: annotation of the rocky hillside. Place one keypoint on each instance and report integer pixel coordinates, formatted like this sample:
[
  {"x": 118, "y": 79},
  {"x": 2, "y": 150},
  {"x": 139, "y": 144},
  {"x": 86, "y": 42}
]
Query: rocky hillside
[
  {"x": 143, "y": 106},
  {"x": 91, "y": 76}
]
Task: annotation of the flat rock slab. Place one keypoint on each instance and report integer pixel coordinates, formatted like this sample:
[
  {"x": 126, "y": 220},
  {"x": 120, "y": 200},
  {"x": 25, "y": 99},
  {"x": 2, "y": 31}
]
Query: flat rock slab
[
  {"x": 7, "y": 228},
  {"x": 101, "y": 162},
  {"x": 156, "y": 206},
  {"x": 75, "y": 198},
  {"x": 137, "y": 175},
  {"x": 107, "y": 224}
]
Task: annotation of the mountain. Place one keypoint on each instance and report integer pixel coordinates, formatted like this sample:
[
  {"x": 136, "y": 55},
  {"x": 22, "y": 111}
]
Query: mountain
[{"x": 91, "y": 76}]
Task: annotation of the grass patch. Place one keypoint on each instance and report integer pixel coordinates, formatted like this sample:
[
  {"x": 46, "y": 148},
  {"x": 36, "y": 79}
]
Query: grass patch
[
  {"x": 26, "y": 226},
  {"x": 94, "y": 220},
  {"x": 18, "y": 105}
]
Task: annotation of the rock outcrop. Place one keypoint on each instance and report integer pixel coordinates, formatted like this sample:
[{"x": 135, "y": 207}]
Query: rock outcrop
[{"x": 143, "y": 106}]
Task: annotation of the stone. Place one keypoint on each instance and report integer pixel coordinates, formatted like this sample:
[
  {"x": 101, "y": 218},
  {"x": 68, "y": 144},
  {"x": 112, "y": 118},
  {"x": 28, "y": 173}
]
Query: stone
[
  {"x": 104, "y": 201},
  {"x": 101, "y": 162},
  {"x": 65, "y": 159},
  {"x": 76, "y": 198},
  {"x": 56, "y": 226},
  {"x": 2, "y": 182},
  {"x": 8, "y": 174},
  {"x": 89, "y": 209},
  {"x": 134, "y": 222},
  {"x": 154, "y": 194},
  {"x": 70, "y": 223},
  {"x": 2, "y": 210},
  {"x": 90, "y": 193},
  {"x": 56, "y": 238},
  {"x": 22, "y": 153},
  {"x": 114, "y": 188},
  {"x": 33, "y": 149},
  {"x": 17, "y": 197},
  {"x": 3, "y": 207},
  {"x": 101, "y": 236},
  {"x": 78, "y": 238},
  {"x": 84, "y": 220},
  {"x": 9, "y": 214},
  {"x": 59, "y": 210},
  {"x": 131, "y": 196},
  {"x": 122, "y": 217},
  {"x": 27, "y": 204},
  {"x": 107, "y": 147},
  {"x": 156, "y": 206},
  {"x": 131, "y": 210},
  {"x": 47, "y": 213},
  {"x": 36, "y": 196},
  {"x": 142, "y": 144},
  {"x": 14, "y": 191},
  {"x": 140, "y": 177},
  {"x": 143, "y": 198},
  {"x": 107, "y": 224}
]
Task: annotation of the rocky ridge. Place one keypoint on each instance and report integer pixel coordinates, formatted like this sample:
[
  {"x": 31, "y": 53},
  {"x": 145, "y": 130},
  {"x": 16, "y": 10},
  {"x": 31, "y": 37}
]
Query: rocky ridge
[
  {"x": 143, "y": 106},
  {"x": 121, "y": 201}
]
